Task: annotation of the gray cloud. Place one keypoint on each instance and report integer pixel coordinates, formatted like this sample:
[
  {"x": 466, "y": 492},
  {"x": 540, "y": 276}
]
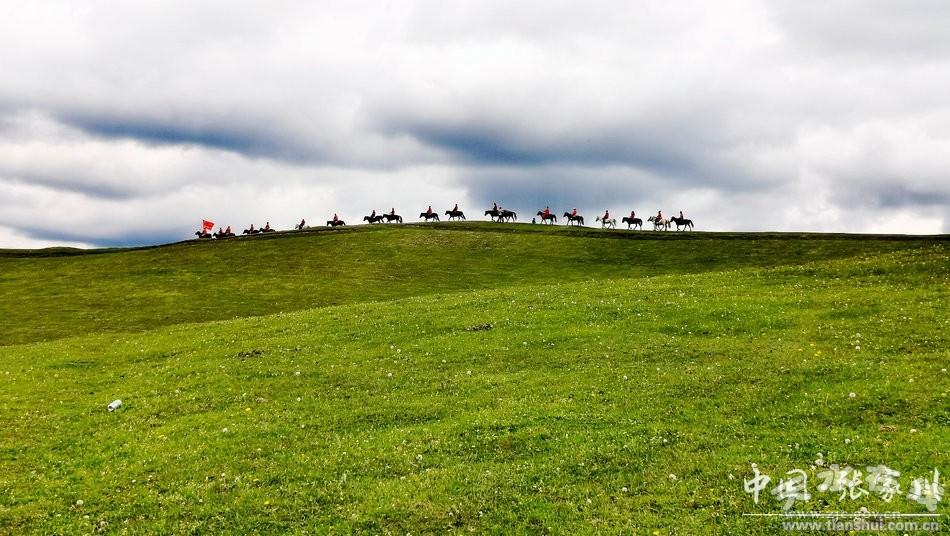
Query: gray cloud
[{"x": 125, "y": 124}]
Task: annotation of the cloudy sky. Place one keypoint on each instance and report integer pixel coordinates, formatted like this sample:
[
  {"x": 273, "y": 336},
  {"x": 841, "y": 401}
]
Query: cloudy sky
[{"x": 128, "y": 122}]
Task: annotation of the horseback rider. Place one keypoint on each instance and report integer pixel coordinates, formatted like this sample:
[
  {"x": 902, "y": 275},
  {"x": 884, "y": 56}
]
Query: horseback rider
[
  {"x": 267, "y": 226},
  {"x": 429, "y": 211},
  {"x": 392, "y": 212},
  {"x": 547, "y": 211},
  {"x": 659, "y": 215},
  {"x": 302, "y": 224},
  {"x": 494, "y": 207},
  {"x": 228, "y": 230},
  {"x": 373, "y": 215},
  {"x": 574, "y": 213},
  {"x": 335, "y": 218},
  {"x": 681, "y": 215},
  {"x": 456, "y": 208},
  {"x": 606, "y": 215},
  {"x": 633, "y": 214}
]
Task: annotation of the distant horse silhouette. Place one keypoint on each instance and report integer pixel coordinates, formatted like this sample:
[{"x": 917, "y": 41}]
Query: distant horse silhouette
[
  {"x": 455, "y": 215},
  {"x": 222, "y": 234},
  {"x": 373, "y": 219},
  {"x": 337, "y": 223},
  {"x": 393, "y": 217},
  {"x": 636, "y": 222},
  {"x": 574, "y": 220},
  {"x": 202, "y": 234},
  {"x": 427, "y": 216},
  {"x": 547, "y": 218},
  {"x": 610, "y": 223},
  {"x": 682, "y": 222},
  {"x": 659, "y": 224},
  {"x": 251, "y": 231},
  {"x": 502, "y": 215},
  {"x": 268, "y": 230}
]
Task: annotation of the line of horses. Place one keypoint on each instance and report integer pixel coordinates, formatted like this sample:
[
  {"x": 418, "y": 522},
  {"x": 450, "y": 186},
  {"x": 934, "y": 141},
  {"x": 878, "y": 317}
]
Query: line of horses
[{"x": 496, "y": 215}]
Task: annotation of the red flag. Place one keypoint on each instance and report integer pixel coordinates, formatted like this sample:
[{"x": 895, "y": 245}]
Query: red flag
[{"x": 207, "y": 225}]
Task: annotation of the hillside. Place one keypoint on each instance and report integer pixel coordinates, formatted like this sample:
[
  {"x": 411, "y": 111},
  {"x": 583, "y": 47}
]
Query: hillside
[
  {"x": 74, "y": 292},
  {"x": 515, "y": 381}
]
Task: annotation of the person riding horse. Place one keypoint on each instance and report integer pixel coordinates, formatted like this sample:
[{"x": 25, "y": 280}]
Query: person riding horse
[
  {"x": 303, "y": 223},
  {"x": 606, "y": 215},
  {"x": 547, "y": 212},
  {"x": 228, "y": 230},
  {"x": 429, "y": 210},
  {"x": 392, "y": 212},
  {"x": 335, "y": 218}
]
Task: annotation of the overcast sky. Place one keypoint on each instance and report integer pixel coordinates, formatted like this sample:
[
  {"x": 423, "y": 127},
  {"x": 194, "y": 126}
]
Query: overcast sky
[{"x": 128, "y": 122}]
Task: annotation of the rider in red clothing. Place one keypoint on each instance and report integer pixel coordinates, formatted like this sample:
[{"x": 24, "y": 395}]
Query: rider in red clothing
[
  {"x": 547, "y": 211},
  {"x": 574, "y": 213},
  {"x": 430, "y": 210},
  {"x": 659, "y": 214},
  {"x": 335, "y": 218},
  {"x": 228, "y": 230}
]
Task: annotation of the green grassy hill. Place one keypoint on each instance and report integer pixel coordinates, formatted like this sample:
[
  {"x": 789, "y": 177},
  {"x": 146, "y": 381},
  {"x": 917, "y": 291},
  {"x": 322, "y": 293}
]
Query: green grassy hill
[
  {"x": 465, "y": 378},
  {"x": 51, "y": 294}
]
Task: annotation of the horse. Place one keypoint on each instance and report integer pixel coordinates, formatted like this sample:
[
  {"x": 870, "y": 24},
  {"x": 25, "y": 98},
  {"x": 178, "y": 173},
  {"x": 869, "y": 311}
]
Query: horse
[
  {"x": 636, "y": 222},
  {"x": 251, "y": 231},
  {"x": 202, "y": 234},
  {"x": 222, "y": 235},
  {"x": 610, "y": 223},
  {"x": 373, "y": 219},
  {"x": 508, "y": 215},
  {"x": 682, "y": 222},
  {"x": 337, "y": 223},
  {"x": 575, "y": 220},
  {"x": 266, "y": 230},
  {"x": 502, "y": 215},
  {"x": 429, "y": 216},
  {"x": 455, "y": 215},
  {"x": 391, "y": 217},
  {"x": 659, "y": 224},
  {"x": 300, "y": 226},
  {"x": 549, "y": 218}
]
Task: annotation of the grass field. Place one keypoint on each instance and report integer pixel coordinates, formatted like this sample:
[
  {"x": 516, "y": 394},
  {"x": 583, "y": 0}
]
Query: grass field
[{"x": 426, "y": 379}]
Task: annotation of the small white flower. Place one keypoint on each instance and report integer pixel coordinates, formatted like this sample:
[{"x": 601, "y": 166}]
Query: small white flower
[
  {"x": 851, "y": 395},
  {"x": 847, "y": 441},
  {"x": 298, "y": 399},
  {"x": 913, "y": 430},
  {"x": 469, "y": 373},
  {"x": 418, "y": 456},
  {"x": 297, "y": 373},
  {"x": 625, "y": 377},
  {"x": 623, "y": 489},
  {"x": 80, "y": 502},
  {"x": 224, "y": 430},
  {"x": 672, "y": 476}
]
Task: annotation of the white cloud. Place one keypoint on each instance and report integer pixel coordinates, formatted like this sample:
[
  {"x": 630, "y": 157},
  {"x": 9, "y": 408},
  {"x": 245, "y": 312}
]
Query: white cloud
[{"x": 126, "y": 123}]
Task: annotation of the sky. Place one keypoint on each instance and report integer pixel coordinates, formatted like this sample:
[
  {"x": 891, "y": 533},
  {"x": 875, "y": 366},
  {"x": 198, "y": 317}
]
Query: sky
[{"x": 127, "y": 123}]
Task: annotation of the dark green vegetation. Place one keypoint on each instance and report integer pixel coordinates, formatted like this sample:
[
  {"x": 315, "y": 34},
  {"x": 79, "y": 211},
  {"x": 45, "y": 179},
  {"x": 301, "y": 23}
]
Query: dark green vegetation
[
  {"x": 586, "y": 385},
  {"x": 70, "y": 293}
]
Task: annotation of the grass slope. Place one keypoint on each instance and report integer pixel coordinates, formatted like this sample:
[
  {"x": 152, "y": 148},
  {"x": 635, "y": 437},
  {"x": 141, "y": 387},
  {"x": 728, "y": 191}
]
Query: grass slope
[
  {"x": 51, "y": 294},
  {"x": 572, "y": 414}
]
